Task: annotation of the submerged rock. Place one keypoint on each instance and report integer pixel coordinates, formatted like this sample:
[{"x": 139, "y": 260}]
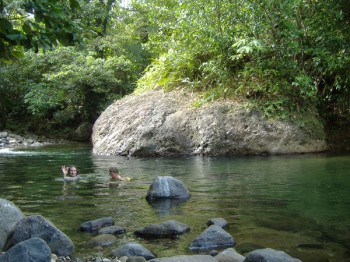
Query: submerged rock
[
  {"x": 269, "y": 254},
  {"x": 95, "y": 225},
  {"x": 167, "y": 123},
  {"x": 133, "y": 249},
  {"x": 169, "y": 228},
  {"x": 113, "y": 230},
  {"x": 184, "y": 258},
  {"x": 102, "y": 240}
]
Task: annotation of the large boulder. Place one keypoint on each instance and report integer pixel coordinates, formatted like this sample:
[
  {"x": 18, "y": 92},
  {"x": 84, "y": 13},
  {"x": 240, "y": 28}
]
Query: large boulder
[
  {"x": 211, "y": 238},
  {"x": 170, "y": 228},
  {"x": 167, "y": 187},
  {"x": 31, "y": 250},
  {"x": 37, "y": 226},
  {"x": 133, "y": 249},
  {"x": 167, "y": 123},
  {"x": 10, "y": 214},
  {"x": 269, "y": 255}
]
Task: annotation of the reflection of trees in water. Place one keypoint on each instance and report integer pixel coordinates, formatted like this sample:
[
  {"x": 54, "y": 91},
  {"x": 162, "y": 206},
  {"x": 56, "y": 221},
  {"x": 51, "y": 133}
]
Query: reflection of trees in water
[{"x": 166, "y": 206}]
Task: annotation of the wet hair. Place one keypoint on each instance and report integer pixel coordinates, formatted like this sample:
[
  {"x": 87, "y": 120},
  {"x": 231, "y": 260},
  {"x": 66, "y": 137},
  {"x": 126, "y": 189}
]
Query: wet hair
[
  {"x": 113, "y": 170},
  {"x": 72, "y": 166}
]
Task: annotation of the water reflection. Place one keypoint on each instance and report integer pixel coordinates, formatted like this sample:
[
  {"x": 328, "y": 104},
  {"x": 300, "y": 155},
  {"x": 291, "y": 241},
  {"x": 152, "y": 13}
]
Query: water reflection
[{"x": 166, "y": 206}]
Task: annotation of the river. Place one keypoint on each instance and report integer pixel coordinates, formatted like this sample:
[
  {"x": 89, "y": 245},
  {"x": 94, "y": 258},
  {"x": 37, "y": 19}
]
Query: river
[{"x": 296, "y": 203}]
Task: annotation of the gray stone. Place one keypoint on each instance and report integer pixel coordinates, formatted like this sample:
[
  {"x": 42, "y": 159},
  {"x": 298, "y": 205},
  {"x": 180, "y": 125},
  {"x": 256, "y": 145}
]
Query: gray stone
[
  {"x": 183, "y": 258},
  {"x": 123, "y": 259},
  {"x": 170, "y": 228},
  {"x": 269, "y": 255},
  {"x": 37, "y": 226},
  {"x": 31, "y": 250},
  {"x": 167, "y": 187},
  {"x": 229, "y": 255},
  {"x": 113, "y": 230},
  {"x": 10, "y": 214},
  {"x": 221, "y": 222},
  {"x": 213, "y": 237},
  {"x": 103, "y": 240},
  {"x": 95, "y": 225},
  {"x": 133, "y": 249},
  {"x": 167, "y": 123},
  {"x": 136, "y": 259}
]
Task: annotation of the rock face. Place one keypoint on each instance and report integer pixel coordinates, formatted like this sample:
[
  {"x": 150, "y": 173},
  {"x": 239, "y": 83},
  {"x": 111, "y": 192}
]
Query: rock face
[
  {"x": 37, "y": 226},
  {"x": 9, "y": 216},
  {"x": 33, "y": 249},
  {"x": 167, "y": 187},
  {"x": 158, "y": 123}
]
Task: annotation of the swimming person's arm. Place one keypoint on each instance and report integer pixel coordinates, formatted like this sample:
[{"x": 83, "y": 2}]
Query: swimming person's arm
[{"x": 64, "y": 171}]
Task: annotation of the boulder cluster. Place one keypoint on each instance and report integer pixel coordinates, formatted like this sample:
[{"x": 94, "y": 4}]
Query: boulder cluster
[
  {"x": 34, "y": 238},
  {"x": 11, "y": 140}
]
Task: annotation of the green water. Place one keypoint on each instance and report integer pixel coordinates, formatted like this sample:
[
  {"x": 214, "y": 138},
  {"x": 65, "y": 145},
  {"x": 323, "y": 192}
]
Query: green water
[{"x": 279, "y": 202}]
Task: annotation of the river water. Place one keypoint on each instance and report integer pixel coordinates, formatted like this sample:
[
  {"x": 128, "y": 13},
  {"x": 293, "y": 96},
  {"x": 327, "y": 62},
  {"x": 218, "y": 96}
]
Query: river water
[{"x": 297, "y": 203}]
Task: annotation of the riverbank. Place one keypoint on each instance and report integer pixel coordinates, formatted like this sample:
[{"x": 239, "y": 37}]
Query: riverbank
[{"x": 12, "y": 140}]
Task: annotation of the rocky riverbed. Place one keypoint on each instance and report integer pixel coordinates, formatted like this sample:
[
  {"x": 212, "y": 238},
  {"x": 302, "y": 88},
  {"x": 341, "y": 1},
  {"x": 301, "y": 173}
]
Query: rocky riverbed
[
  {"x": 11, "y": 140},
  {"x": 34, "y": 238}
]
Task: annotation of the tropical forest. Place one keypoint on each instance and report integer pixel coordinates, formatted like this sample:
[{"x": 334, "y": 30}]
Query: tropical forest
[
  {"x": 63, "y": 62},
  {"x": 175, "y": 130}
]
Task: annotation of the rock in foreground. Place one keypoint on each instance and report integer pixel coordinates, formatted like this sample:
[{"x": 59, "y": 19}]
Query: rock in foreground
[
  {"x": 10, "y": 214},
  {"x": 37, "y": 226}
]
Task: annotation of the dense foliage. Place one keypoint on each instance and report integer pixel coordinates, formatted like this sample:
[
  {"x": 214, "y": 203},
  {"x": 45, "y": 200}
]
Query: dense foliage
[
  {"x": 285, "y": 57},
  {"x": 57, "y": 90}
]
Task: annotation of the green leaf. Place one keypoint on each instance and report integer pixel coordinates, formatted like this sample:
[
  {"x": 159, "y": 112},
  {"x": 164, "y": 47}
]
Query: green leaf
[{"x": 5, "y": 26}]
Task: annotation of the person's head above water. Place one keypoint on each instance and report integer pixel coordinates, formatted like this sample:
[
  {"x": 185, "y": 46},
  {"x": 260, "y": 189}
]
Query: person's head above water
[
  {"x": 114, "y": 173},
  {"x": 72, "y": 171}
]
